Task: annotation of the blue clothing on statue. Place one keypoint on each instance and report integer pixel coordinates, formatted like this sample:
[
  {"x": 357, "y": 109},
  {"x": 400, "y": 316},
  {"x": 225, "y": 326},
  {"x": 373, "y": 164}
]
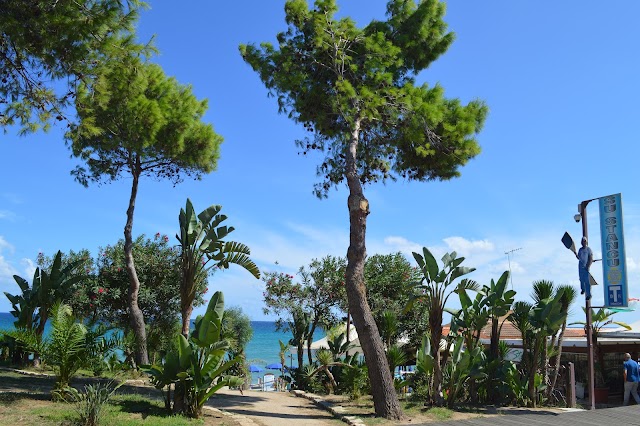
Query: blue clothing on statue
[
  {"x": 583, "y": 258},
  {"x": 632, "y": 371}
]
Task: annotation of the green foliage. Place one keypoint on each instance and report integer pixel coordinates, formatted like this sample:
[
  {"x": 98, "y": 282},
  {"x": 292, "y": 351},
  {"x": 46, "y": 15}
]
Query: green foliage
[
  {"x": 388, "y": 279},
  {"x": 329, "y": 74},
  {"x": 103, "y": 294},
  {"x": 396, "y": 356},
  {"x": 434, "y": 289},
  {"x": 424, "y": 358},
  {"x": 49, "y": 285},
  {"x": 354, "y": 89},
  {"x": 237, "y": 330},
  {"x": 90, "y": 403},
  {"x": 135, "y": 120},
  {"x": 69, "y": 346},
  {"x": 461, "y": 369},
  {"x": 203, "y": 245},
  {"x": 199, "y": 365},
  {"x": 320, "y": 295},
  {"x": 47, "y": 47}
]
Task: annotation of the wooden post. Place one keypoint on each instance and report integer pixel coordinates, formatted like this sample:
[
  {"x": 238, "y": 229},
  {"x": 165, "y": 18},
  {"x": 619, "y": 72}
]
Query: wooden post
[{"x": 571, "y": 387}]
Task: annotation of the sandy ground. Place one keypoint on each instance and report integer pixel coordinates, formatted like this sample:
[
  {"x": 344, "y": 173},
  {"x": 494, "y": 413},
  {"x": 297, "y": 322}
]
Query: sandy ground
[{"x": 272, "y": 408}]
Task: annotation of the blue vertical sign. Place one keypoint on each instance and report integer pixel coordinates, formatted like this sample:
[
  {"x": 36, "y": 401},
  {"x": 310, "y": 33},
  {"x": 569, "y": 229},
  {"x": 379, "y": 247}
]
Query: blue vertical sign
[{"x": 614, "y": 266}]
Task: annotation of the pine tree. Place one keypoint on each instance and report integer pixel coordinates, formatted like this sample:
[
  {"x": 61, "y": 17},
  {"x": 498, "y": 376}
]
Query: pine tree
[
  {"x": 134, "y": 120},
  {"x": 354, "y": 89}
]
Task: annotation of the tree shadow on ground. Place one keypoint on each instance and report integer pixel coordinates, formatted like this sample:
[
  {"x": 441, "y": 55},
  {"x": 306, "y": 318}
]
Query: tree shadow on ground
[{"x": 8, "y": 398}]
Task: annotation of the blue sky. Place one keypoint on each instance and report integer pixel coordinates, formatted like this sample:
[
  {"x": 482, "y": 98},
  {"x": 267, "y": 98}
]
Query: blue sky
[{"x": 560, "y": 79}]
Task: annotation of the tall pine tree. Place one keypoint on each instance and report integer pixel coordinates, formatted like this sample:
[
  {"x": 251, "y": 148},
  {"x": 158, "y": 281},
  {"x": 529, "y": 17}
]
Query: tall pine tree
[
  {"x": 136, "y": 121},
  {"x": 354, "y": 88}
]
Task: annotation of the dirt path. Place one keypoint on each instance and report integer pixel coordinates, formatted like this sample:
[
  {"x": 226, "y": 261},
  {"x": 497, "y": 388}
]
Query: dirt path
[{"x": 272, "y": 408}]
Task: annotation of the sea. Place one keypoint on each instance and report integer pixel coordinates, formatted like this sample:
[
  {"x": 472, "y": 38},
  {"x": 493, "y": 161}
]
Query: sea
[{"x": 262, "y": 349}]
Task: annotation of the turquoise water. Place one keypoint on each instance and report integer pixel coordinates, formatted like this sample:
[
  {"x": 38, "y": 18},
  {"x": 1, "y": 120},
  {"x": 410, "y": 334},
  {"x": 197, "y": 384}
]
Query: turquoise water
[{"x": 263, "y": 348}]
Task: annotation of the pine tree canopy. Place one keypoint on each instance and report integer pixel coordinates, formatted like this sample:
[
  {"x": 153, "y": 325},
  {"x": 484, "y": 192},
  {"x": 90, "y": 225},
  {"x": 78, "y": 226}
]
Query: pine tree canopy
[
  {"x": 340, "y": 80},
  {"x": 134, "y": 119},
  {"x": 46, "y": 46}
]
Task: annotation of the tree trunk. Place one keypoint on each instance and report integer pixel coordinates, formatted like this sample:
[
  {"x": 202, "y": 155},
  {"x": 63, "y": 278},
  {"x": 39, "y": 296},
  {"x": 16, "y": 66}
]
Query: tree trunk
[
  {"x": 556, "y": 368},
  {"x": 186, "y": 319},
  {"x": 135, "y": 314},
  {"x": 385, "y": 399},
  {"x": 310, "y": 340},
  {"x": 532, "y": 374},
  {"x": 436, "y": 336},
  {"x": 300, "y": 356}
]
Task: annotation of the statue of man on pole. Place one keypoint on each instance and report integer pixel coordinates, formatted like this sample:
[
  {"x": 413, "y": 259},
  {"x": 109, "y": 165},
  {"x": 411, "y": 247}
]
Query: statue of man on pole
[{"x": 585, "y": 259}]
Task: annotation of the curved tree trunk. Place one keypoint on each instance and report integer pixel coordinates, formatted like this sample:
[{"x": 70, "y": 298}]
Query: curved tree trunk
[
  {"x": 556, "y": 367},
  {"x": 385, "y": 399},
  {"x": 135, "y": 314}
]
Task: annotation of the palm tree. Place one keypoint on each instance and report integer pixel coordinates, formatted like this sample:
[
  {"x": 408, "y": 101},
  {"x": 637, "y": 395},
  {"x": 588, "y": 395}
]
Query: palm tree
[
  {"x": 69, "y": 346},
  {"x": 388, "y": 327},
  {"x": 325, "y": 363},
  {"x": 203, "y": 247},
  {"x": 569, "y": 295},
  {"x": 600, "y": 319},
  {"x": 299, "y": 326}
]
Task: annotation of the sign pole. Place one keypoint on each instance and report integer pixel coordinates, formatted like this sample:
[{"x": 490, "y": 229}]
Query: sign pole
[{"x": 582, "y": 209}]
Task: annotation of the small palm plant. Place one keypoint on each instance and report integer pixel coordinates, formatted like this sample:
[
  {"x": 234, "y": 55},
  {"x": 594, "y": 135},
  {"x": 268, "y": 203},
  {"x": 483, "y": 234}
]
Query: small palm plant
[
  {"x": 65, "y": 349},
  {"x": 325, "y": 363}
]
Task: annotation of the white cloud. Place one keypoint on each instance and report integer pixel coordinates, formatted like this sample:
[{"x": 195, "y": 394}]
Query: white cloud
[
  {"x": 29, "y": 267},
  {"x": 401, "y": 244},
  {"x": 466, "y": 247},
  {"x": 4, "y": 245},
  {"x": 7, "y": 271}
]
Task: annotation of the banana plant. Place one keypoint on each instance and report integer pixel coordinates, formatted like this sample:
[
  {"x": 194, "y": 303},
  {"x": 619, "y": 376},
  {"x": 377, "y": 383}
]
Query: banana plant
[
  {"x": 32, "y": 307},
  {"x": 198, "y": 367},
  {"x": 203, "y": 246},
  {"x": 434, "y": 290},
  {"x": 460, "y": 369}
]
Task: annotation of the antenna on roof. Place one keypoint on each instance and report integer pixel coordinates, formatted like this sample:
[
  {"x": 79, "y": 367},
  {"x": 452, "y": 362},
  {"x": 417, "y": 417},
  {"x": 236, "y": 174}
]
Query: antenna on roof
[{"x": 509, "y": 253}]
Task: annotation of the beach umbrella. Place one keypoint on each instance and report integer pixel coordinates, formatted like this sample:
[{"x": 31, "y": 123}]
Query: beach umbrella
[
  {"x": 274, "y": 366},
  {"x": 255, "y": 368}
]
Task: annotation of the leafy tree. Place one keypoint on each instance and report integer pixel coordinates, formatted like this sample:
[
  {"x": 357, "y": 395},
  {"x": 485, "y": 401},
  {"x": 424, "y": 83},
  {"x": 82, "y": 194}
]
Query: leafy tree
[
  {"x": 354, "y": 89},
  {"x": 320, "y": 294},
  {"x": 103, "y": 294},
  {"x": 434, "y": 289},
  {"x": 237, "y": 330},
  {"x": 326, "y": 362},
  {"x": 134, "y": 120},
  {"x": 388, "y": 279},
  {"x": 299, "y": 326},
  {"x": 323, "y": 290},
  {"x": 536, "y": 322},
  {"x": 44, "y": 44},
  {"x": 202, "y": 246}
]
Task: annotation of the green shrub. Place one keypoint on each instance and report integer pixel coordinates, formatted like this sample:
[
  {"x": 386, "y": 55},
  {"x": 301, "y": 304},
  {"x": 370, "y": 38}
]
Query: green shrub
[{"x": 90, "y": 403}]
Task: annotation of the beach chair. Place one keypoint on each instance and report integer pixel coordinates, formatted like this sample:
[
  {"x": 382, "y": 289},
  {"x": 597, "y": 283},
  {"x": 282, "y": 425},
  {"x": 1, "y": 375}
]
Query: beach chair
[{"x": 269, "y": 382}]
